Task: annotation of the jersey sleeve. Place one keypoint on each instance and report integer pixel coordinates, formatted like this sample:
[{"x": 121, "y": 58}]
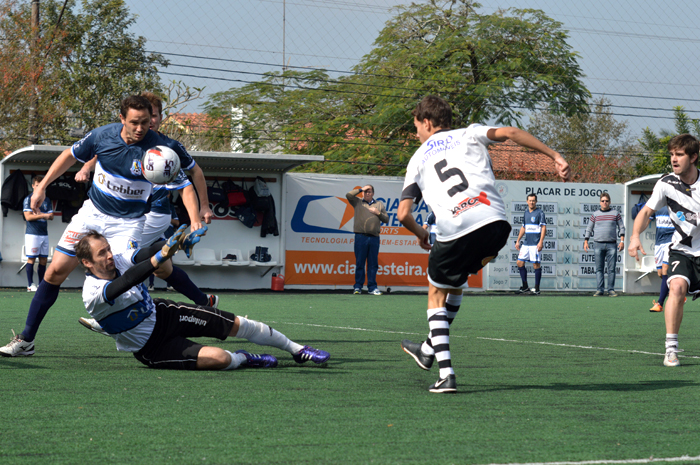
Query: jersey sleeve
[
  {"x": 84, "y": 149},
  {"x": 411, "y": 185},
  {"x": 27, "y": 203},
  {"x": 48, "y": 205},
  {"x": 658, "y": 198},
  {"x": 186, "y": 160},
  {"x": 480, "y": 133},
  {"x": 543, "y": 220},
  {"x": 180, "y": 182}
]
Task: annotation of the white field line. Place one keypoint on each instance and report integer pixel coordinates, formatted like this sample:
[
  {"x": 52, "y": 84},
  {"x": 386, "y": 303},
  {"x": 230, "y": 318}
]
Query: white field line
[
  {"x": 515, "y": 341},
  {"x": 684, "y": 458}
]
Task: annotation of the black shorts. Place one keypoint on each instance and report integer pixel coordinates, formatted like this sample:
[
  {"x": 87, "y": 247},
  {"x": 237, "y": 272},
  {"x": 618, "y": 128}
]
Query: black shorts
[
  {"x": 450, "y": 263},
  {"x": 168, "y": 346},
  {"x": 686, "y": 266}
]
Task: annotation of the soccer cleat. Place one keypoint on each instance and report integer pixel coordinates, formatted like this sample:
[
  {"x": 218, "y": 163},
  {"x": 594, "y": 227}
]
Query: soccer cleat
[
  {"x": 612, "y": 294},
  {"x": 92, "y": 325},
  {"x": 598, "y": 293},
  {"x": 151, "y": 288},
  {"x": 448, "y": 384},
  {"x": 212, "y": 301},
  {"x": 413, "y": 349},
  {"x": 17, "y": 347},
  {"x": 258, "y": 360},
  {"x": 357, "y": 291},
  {"x": 656, "y": 307},
  {"x": 524, "y": 289},
  {"x": 534, "y": 291},
  {"x": 375, "y": 292},
  {"x": 671, "y": 359},
  {"x": 309, "y": 353},
  {"x": 32, "y": 288}
]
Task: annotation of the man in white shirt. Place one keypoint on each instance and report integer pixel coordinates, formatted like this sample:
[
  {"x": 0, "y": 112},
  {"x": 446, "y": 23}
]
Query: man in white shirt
[{"x": 452, "y": 172}]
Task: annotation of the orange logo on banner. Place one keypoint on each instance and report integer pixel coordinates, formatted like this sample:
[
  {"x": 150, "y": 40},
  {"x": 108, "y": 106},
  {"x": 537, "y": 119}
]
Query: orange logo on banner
[{"x": 338, "y": 268}]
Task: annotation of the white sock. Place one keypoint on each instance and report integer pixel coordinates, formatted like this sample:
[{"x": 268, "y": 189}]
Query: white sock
[
  {"x": 236, "y": 360},
  {"x": 261, "y": 334},
  {"x": 427, "y": 348},
  {"x": 672, "y": 341}
]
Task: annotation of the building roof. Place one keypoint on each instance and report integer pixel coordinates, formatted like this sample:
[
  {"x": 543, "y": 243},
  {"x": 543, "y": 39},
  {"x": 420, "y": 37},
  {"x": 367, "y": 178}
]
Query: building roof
[{"x": 510, "y": 157}]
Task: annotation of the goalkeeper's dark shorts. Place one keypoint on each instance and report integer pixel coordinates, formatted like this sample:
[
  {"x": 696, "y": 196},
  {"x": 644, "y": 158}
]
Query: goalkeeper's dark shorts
[
  {"x": 450, "y": 263},
  {"x": 168, "y": 346}
]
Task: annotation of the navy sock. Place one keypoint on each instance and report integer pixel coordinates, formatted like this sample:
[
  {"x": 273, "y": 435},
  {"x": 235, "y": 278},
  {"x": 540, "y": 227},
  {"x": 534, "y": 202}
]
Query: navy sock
[
  {"x": 664, "y": 289},
  {"x": 523, "y": 274},
  {"x": 46, "y": 295},
  {"x": 30, "y": 273},
  {"x": 182, "y": 283},
  {"x": 151, "y": 280},
  {"x": 538, "y": 278},
  {"x": 41, "y": 271}
]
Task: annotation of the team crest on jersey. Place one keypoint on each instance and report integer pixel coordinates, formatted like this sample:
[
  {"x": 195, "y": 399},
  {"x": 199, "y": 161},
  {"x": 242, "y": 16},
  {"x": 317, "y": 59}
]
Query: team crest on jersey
[
  {"x": 132, "y": 245},
  {"x": 532, "y": 219},
  {"x": 136, "y": 167},
  {"x": 469, "y": 203}
]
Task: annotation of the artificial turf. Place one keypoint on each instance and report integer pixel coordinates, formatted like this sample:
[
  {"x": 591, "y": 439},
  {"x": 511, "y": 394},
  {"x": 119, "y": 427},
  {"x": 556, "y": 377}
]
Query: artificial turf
[{"x": 548, "y": 378}]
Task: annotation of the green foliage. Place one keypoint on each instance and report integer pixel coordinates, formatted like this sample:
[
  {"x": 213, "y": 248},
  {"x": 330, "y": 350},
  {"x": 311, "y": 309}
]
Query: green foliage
[
  {"x": 656, "y": 158},
  {"x": 74, "y": 69},
  {"x": 489, "y": 66}
]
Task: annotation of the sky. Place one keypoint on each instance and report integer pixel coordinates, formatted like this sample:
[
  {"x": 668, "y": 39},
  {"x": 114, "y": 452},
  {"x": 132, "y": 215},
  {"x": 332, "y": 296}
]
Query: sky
[{"x": 642, "y": 56}]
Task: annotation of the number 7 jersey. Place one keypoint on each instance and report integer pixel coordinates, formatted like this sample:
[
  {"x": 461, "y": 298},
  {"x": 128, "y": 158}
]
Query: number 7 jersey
[{"x": 452, "y": 172}]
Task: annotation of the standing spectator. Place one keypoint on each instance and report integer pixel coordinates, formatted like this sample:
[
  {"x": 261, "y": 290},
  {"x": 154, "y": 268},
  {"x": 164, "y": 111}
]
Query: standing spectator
[
  {"x": 664, "y": 234},
  {"x": 534, "y": 228},
  {"x": 369, "y": 215},
  {"x": 36, "y": 237},
  {"x": 604, "y": 226}
]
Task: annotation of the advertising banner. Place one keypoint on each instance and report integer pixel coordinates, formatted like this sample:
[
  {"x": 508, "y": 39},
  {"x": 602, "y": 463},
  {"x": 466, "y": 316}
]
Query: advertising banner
[{"x": 320, "y": 239}]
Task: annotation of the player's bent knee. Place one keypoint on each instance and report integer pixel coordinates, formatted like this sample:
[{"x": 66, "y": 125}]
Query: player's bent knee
[{"x": 212, "y": 358}]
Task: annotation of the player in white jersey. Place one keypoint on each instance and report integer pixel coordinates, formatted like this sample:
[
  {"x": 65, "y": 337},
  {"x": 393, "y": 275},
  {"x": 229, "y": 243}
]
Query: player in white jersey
[
  {"x": 452, "y": 172},
  {"x": 156, "y": 330},
  {"x": 118, "y": 201},
  {"x": 680, "y": 192}
]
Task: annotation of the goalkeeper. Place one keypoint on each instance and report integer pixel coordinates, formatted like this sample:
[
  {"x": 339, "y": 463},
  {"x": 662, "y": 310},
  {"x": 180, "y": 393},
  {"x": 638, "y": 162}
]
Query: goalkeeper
[{"x": 156, "y": 330}]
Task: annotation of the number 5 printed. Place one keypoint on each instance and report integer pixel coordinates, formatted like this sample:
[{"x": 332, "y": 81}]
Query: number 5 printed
[{"x": 447, "y": 174}]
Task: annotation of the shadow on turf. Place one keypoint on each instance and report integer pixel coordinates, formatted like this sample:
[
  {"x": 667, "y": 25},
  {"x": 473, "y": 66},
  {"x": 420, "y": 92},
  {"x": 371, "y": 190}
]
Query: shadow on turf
[{"x": 641, "y": 386}]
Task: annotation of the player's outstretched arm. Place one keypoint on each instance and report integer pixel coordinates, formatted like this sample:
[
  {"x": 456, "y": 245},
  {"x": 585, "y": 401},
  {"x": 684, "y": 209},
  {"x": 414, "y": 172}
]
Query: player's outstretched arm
[
  {"x": 406, "y": 218},
  {"x": 84, "y": 174},
  {"x": 189, "y": 200},
  {"x": 60, "y": 165},
  {"x": 200, "y": 183},
  {"x": 529, "y": 141},
  {"x": 640, "y": 224}
]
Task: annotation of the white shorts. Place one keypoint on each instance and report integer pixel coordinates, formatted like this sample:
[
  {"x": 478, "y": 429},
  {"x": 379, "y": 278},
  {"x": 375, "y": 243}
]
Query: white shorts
[
  {"x": 121, "y": 233},
  {"x": 661, "y": 254},
  {"x": 36, "y": 246},
  {"x": 529, "y": 253},
  {"x": 156, "y": 224}
]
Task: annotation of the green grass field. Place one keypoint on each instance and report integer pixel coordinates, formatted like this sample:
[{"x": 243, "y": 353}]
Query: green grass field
[{"x": 541, "y": 379}]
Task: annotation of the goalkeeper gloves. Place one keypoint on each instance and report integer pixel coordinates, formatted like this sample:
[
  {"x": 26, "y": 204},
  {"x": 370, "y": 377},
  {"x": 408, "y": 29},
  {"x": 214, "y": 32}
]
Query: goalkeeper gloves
[
  {"x": 187, "y": 242},
  {"x": 171, "y": 245}
]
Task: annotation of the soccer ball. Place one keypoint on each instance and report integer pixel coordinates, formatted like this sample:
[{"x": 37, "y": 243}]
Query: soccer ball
[{"x": 160, "y": 165}]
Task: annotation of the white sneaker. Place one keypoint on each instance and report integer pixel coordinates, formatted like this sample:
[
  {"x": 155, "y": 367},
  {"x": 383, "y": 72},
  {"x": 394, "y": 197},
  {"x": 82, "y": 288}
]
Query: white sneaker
[
  {"x": 32, "y": 288},
  {"x": 17, "y": 347},
  {"x": 376, "y": 292},
  {"x": 151, "y": 288},
  {"x": 671, "y": 359},
  {"x": 92, "y": 325}
]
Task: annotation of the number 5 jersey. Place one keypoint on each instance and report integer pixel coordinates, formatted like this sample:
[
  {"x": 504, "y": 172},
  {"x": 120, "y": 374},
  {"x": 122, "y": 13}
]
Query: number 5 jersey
[{"x": 452, "y": 171}]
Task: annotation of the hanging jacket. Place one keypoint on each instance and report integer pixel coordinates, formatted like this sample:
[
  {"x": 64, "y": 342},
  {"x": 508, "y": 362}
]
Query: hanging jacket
[{"x": 14, "y": 190}]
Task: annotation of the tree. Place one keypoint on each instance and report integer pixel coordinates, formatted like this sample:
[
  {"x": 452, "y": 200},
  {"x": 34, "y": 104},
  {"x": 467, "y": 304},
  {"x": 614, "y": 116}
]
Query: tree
[
  {"x": 84, "y": 63},
  {"x": 655, "y": 157},
  {"x": 489, "y": 66},
  {"x": 597, "y": 146}
]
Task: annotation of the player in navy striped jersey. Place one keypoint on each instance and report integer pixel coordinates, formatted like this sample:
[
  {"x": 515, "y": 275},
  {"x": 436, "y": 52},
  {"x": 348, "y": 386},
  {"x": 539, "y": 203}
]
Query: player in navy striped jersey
[
  {"x": 534, "y": 228},
  {"x": 156, "y": 330},
  {"x": 664, "y": 234},
  {"x": 452, "y": 172},
  {"x": 680, "y": 192},
  {"x": 117, "y": 204},
  {"x": 36, "y": 236}
]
